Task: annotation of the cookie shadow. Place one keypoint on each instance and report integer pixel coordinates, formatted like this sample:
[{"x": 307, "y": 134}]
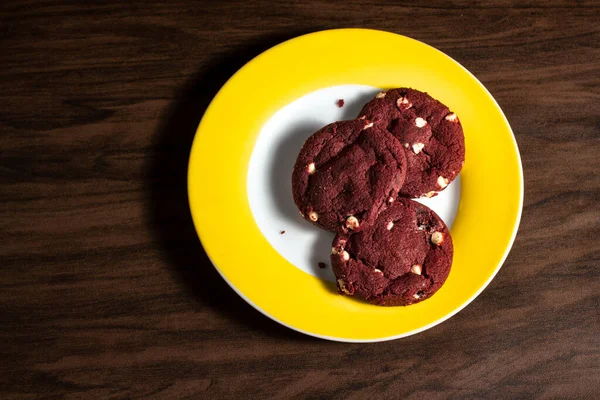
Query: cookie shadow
[{"x": 167, "y": 207}]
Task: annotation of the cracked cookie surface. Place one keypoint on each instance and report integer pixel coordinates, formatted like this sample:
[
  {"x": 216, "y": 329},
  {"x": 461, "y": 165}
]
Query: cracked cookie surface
[
  {"x": 346, "y": 174},
  {"x": 403, "y": 258},
  {"x": 430, "y": 134}
]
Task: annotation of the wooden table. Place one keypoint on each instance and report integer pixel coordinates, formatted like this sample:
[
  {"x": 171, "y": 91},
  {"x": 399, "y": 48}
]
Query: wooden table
[{"x": 105, "y": 289}]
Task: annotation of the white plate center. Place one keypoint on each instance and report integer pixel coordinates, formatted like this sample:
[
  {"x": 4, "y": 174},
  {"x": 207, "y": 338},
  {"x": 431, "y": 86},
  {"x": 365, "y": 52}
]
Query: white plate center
[{"x": 270, "y": 176}]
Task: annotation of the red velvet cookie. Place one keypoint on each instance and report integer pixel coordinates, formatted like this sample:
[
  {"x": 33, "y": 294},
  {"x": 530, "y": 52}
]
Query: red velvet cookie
[
  {"x": 431, "y": 135},
  {"x": 402, "y": 259},
  {"x": 346, "y": 174}
]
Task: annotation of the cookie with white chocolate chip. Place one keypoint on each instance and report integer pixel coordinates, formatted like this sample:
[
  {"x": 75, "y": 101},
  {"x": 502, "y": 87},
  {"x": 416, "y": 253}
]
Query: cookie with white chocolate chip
[
  {"x": 346, "y": 174},
  {"x": 431, "y": 135},
  {"x": 403, "y": 258}
]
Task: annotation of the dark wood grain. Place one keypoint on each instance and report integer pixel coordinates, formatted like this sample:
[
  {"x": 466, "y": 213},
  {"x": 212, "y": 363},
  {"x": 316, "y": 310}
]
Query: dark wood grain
[{"x": 105, "y": 290}]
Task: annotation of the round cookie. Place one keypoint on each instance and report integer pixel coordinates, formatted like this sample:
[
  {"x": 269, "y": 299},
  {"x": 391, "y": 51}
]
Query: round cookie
[
  {"x": 346, "y": 174},
  {"x": 404, "y": 258},
  {"x": 431, "y": 135}
]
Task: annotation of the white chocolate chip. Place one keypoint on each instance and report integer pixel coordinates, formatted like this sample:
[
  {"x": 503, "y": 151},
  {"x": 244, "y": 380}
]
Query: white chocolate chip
[
  {"x": 403, "y": 103},
  {"x": 334, "y": 251},
  {"x": 391, "y": 200},
  {"x": 442, "y": 182},
  {"x": 390, "y": 225},
  {"x": 381, "y": 95},
  {"x": 417, "y": 147},
  {"x": 352, "y": 222},
  {"x": 369, "y": 125},
  {"x": 343, "y": 287},
  {"x": 378, "y": 271},
  {"x": 311, "y": 168},
  {"x": 313, "y": 216},
  {"x": 406, "y": 145},
  {"x": 416, "y": 269},
  {"x": 437, "y": 238},
  {"x": 451, "y": 117},
  {"x": 422, "y": 227},
  {"x": 420, "y": 122},
  {"x": 429, "y": 194},
  {"x": 345, "y": 255},
  {"x": 416, "y": 296}
]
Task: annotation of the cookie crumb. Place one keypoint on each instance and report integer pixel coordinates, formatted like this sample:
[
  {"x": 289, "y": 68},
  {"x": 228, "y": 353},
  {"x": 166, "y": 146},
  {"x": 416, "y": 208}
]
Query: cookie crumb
[
  {"x": 322, "y": 265},
  {"x": 340, "y": 103},
  {"x": 282, "y": 232}
]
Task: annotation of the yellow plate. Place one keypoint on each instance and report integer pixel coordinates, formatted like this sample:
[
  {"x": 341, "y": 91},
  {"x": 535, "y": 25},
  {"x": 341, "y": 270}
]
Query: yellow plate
[{"x": 491, "y": 192}]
